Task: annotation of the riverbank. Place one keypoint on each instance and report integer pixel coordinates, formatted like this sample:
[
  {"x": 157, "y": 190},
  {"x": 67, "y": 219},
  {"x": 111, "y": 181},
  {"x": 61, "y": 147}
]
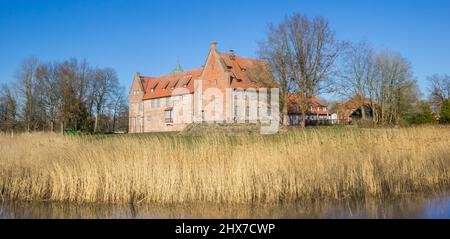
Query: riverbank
[
  {"x": 434, "y": 206},
  {"x": 323, "y": 163}
]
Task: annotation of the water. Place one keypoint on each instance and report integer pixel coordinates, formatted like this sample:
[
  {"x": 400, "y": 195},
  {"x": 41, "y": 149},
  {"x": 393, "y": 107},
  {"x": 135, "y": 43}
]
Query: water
[{"x": 437, "y": 206}]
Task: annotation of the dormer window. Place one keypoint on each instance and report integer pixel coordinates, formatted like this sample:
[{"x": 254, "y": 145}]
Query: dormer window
[
  {"x": 186, "y": 83},
  {"x": 165, "y": 86},
  {"x": 175, "y": 84}
]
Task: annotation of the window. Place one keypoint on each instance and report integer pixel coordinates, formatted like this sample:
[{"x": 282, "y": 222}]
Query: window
[
  {"x": 141, "y": 107},
  {"x": 152, "y": 90},
  {"x": 165, "y": 87},
  {"x": 236, "y": 112},
  {"x": 216, "y": 103},
  {"x": 174, "y": 85},
  {"x": 187, "y": 83},
  {"x": 138, "y": 124},
  {"x": 168, "y": 116},
  {"x": 236, "y": 105},
  {"x": 247, "y": 112},
  {"x": 175, "y": 100},
  {"x": 155, "y": 103},
  {"x": 168, "y": 102},
  {"x": 131, "y": 124}
]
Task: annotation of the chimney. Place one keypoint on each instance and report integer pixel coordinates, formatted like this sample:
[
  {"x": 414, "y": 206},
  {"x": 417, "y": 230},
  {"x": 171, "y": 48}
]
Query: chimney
[
  {"x": 213, "y": 45},
  {"x": 232, "y": 54}
]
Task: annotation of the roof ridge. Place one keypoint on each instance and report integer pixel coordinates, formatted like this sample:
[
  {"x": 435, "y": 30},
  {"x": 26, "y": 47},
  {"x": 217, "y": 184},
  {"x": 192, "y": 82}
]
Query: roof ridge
[{"x": 187, "y": 72}]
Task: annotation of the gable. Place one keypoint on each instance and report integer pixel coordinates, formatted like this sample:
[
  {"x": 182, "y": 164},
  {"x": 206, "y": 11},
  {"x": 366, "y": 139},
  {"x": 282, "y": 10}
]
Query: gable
[
  {"x": 214, "y": 67},
  {"x": 240, "y": 68},
  {"x": 137, "y": 86}
]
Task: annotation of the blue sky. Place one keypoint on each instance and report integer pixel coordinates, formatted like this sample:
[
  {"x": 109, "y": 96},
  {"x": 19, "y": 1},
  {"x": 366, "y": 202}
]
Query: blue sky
[{"x": 148, "y": 36}]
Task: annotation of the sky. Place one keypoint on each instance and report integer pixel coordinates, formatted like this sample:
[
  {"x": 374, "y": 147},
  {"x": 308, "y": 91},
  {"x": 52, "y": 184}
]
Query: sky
[{"x": 148, "y": 36}]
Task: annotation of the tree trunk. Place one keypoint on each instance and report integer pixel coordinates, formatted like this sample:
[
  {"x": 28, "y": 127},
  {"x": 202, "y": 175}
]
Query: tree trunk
[
  {"x": 375, "y": 115},
  {"x": 303, "y": 120},
  {"x": 285, "y": 111},
  {"x": 96, "y": 123},
  {"x": 62, "y": 127},
  {"x": 114, "y": 122},
  {"x": 363, "y": 112}
]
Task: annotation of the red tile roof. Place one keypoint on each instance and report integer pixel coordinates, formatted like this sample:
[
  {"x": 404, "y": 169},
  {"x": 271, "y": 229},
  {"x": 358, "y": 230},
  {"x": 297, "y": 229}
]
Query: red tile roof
[
  {"x": 314, "y": 103},
  {"x": 352, "y": 103},
  {"x": 163, "y": 86},
  {"x": 238, "y": 67},
  {"x": 314, "y": 111}
]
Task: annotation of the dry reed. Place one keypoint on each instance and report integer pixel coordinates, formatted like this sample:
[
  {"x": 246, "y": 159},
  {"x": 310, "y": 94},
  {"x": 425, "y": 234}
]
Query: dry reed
[{"x": 297, "y": 165}]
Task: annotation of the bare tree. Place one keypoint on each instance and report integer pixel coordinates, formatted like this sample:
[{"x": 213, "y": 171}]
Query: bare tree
[
  {"x": 68, "y": 93},
  {"x": 85, "y": 77},
  {"x": 276, "y": 52},
  {"x": 315, "y": 51},
  {"x": 389, "y": 88},
  {"x": 357, "y": 72},
  {"x": 8, "y": 109},
  {"x": 119, "y": 105},
  {"x": 440, "y": 90},
  {"x": 26, "y": 83},
  {"x": 105, "y": 82},
  {"x": 69, "y": 110},
  {"x": 49, "y": 86}
]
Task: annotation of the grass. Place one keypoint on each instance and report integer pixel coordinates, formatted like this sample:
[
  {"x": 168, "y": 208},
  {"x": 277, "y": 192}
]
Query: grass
[{"x": 322, "y": 163}]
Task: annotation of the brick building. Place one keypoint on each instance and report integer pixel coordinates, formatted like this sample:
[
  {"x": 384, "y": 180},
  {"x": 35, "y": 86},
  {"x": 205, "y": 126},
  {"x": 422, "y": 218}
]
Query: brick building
[
  {"x": 317, "y": 112},
  {"x": 221, "y": 90}
]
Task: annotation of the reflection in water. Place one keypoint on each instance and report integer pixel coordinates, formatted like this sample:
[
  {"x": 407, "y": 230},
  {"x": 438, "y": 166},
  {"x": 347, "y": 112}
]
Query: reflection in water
[{"x": 408, "y": 207}]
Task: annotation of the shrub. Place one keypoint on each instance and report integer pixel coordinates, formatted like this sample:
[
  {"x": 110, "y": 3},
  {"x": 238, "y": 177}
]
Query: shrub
[
  {"x": 424, "y": 116},
  {"x": 445, "y": 112}
]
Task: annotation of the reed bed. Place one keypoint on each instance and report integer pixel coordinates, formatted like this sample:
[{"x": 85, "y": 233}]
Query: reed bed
[{"x": 325, "y": 163}]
